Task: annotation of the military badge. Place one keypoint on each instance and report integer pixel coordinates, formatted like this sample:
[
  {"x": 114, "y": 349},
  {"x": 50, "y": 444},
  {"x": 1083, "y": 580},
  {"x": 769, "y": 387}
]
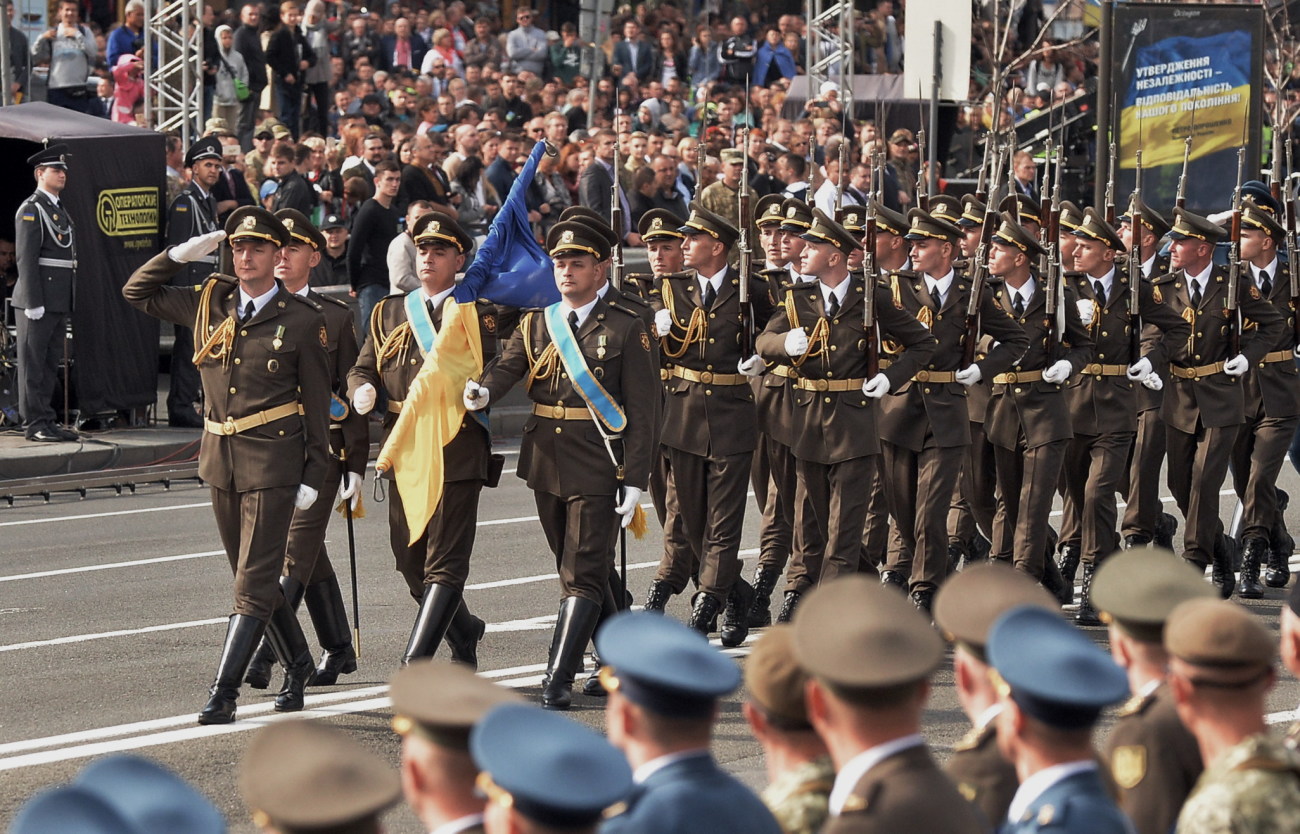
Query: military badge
[
  {"x": 656, "y": 224},
  {"x": 273, "y": 365},
  {"x": 490, "y": 323},
  {"x": 792, "y": 211},
  {"x": 1254, "y": 293},
  {"x": 567, "y": 237},
  {"x": 435, "y": 226},
  {"x": 645, "y": 341},
  {"x": 967, "y": 791},
  {"x": 1157, "y": 295},
  {"x": 250, "y": 222},
  {"x": 288, "y": 223},
  {"x": 324, "y": 339},
  {"x": 1128, "y": 765}
]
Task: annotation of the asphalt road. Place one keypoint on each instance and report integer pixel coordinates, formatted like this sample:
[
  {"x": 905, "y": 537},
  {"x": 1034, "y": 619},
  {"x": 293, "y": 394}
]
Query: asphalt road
[{"x": 113, "y": 610}]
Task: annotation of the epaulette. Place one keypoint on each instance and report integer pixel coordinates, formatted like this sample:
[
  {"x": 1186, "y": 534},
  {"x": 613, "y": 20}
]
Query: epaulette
[
  {"x": 638, "y": 276},
  {"x": 617, "y": 304},
  {"x": 974, "y": 738},
  {"x": 678, "y": 276},
  {"x": 310, "y": 302},
  {"x": 219, "y": 278},
  {"x": 331, "y": 299},
  {"x": 857, "y": 804},
  {"x": 1135, "y": 705},
  {"x": 1075, "y": 274},
  {"x": 1167, "y": 278}
]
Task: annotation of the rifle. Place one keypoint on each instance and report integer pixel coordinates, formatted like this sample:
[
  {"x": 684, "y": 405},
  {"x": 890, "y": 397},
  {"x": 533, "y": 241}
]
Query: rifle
[
  {"x": 980, "y": 267},
  {"x": 923, "y": 176},
  {"x": 1288, "y": 206},
  {"x": 746, "y": 250},
  {"x": 700, "y": 155},
  {"x": 869, "y": 278},
  {"x": 616, "y": 223},
  {"x": 1180, "y": 201},
  {"x": 1135, "y": 265},
  {"x": 1053, "y": 292},
  {"x": 1110, "y": 185},
  {"x": 1234, "y": 261}
]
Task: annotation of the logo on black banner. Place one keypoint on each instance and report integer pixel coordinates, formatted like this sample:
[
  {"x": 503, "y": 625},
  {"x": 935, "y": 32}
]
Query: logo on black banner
[{"x": 127, "y": 212}]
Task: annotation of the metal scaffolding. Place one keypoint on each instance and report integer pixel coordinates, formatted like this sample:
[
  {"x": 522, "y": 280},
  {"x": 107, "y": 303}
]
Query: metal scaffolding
[
  {"x": 173, "y": 66},
  {"x": 830, "y": 51}
]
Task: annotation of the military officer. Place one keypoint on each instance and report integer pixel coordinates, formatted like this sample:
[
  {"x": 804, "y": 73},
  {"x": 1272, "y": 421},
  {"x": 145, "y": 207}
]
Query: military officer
[
  {"x": 402, "y": 331},
  {"x": 965, "y": 609},
  {"x": 1153, "y": 758},
  {"x": 1272, "y": 393},
  {"x": 308, "y": 573},
  {"x": 1053, "y": 683},
  {"x": 46, "y": 255},
  {"x": 925, "y": 425},
  {"x": 1145, "y": 520},
  {"x": 823, "y": 337},
  {"x": 1220, "y": 672},
  {"x": 544, "y": 772},
  {"x": 1026, "y": 211},
  {"x": 1103, "y": 399},
  {"x": 664, "y": 252},
  {"x": 1204, "y": 405},
  {"x": 870, "y": 655},
  {"x": 710, "y": 423},
  {"x": 435, "y": 707},
  {"x": 266, "y": 383},
  {"x": 192, "y": 213},
  {"x": 299, "y": 777},
  {"x": 591, "y": 376}
]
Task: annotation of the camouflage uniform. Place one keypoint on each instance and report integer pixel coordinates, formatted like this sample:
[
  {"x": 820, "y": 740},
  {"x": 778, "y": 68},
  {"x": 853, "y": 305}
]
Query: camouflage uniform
[
  {"x": 799, "y": 799},
  {"x": 722, "y": 199},
  {"x": 1253, "y": 789}
]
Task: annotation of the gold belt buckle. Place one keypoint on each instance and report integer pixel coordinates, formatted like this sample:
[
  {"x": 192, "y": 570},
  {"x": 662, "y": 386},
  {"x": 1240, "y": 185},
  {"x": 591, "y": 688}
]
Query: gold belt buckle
[
  {"x": 1193, "y": 373},
  {"x": 557, "y": 411},
  {"x": 822, "y": 384},
  {"x": 922, "y": 376},
  {"x": 228, "y": 427},
  {"x": 1011, "y": 378},
  {"x": 706, "y": 377},
  {"x": 1093, "y": 368}
]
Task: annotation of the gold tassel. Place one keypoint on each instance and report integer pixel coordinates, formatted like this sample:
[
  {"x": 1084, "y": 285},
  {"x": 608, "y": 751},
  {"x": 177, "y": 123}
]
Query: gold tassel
[
  {"x": 395, "y": 342},
  {"x": 359, "y": 512},
  {"x": 638, "y": 524},
  {"x": 218, "y": 344}
]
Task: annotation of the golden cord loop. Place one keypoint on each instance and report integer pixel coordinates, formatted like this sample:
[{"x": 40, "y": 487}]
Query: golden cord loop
[
  {"x": 218, "y": 344},
  {"x": 395, "y": 342}
]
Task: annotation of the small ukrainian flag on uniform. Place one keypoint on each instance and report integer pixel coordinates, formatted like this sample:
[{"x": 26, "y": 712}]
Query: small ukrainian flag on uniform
[
  {"x": 29, "y": 215},
  {"x": 182, "y": 207}
]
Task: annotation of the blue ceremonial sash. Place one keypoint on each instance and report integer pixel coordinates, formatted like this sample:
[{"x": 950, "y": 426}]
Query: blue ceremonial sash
[
  {"x": 597, "y": 398},
  {"x": 417, "y": 315}
]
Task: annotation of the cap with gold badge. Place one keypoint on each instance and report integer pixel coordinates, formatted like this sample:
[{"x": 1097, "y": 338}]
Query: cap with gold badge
[
  {"x": 1256, "y": 216},
  {"x": 582, "y": 213},
  {"x": 972, "y": 211},
  {"x": 575, "y": 236},
  {"x": 970, "y": 602},
  {"x": 826, "y": 230},
  {"x": 704, "y": 222},
  {"x": 767, "y": 211},
  {"x": 1138, "y": 589},
  {"x": 945, "y": 207},
  {"x": 54, "y": 156},
  {"x": 442, "y": 701},
  {"x": 889, "y": 221},
  {"x": 1071, "y": 216},
  {"x": 1011, "y": 233},
  {"x": 925, "y": 226},
  {"x": 301, "y": 229},
  {"x": 1226, "y": 642},
  {"x": 797, "y": 214},
  {"x": 303, "y": 775},
  {"x": 775, "y": 680},
  {"x": 209, "y": 148},
  {"x": 852, "y": 218},
  {"x": 659, "y": 224},
  {"x": 255, "y": 223},
  {"x": 1095, "y": 227},
  {"x": 1024, "y": 207},
  {"x": 437, "y": 227},
  {"x": 1150, "y": 218},
  {"x": 1193, "y": 226}
]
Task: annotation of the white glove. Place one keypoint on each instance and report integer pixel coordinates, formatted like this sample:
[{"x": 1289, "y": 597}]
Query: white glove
[
  {"x": 196, "y": 248},
  {"x": 1086, "y": 309},
  {"x": 796, "y": 342},
  {"x": 876, "y": 387},
  {"x": 663, "y": 323},
  {"x": 1296, "y": 351},
  {"x": 1140, "y": 369},
  {"x": 34, "y": 313},
  {"x": 1154, "y": 382},
  {"x": 631, "y": 497},
  {"x": 305, "y": 498},
  {"x": 1058, "y": 373},
  {"x": 752, "y": 367},
  {"x": 476, "y": 396},
  {"x": 363, "y": 399},
  {"x": 350, "y": 488},
  {"x": 970, "y": 376},
  {"x": 1236, "y": 366}
]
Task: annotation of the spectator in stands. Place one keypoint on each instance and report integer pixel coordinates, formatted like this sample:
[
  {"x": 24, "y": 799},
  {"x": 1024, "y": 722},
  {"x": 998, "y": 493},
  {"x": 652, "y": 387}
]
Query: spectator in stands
[
  {"x": 127, "y": 39},
  {"x": 315, "y": 29},
  {"x": 422, "y": 179},
  {"x": 404, "y": 49},
  {"x": 774, "y": 60},
  {"x": 102, "y": 104},
  {"x": 374, "y": 151},
  {"x": 70, "y": 51},
  {"x": 526, "y": 45},
  {"x": 373, "y": 228},
  {"x": 566, "y": 54},
  {"x": 473, "y": 196},
  {"x": 230, "y": 69},
  {"x": 289, "y": 56},
  {"x": 738, "y": 51},
  {"x": 403, "y": 275},
  {"x": 634, "y": 54},
  {"x": 332, "y": 271},
  {"x": 294, "y": 191},
  {"x": 501, "y": 173},
  {"x": 248, "y": 43},
  {"x": 19, "y": 52},
  {"x": 484, "y": 50}
]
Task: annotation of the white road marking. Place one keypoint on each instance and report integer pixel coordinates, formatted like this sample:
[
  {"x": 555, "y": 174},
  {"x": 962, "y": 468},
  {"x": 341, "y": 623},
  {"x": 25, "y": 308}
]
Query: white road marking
[
  {"x": 87, "y": 568},
  {"x": 84, "y": 638},
  {"x": 105, "y": 515}
]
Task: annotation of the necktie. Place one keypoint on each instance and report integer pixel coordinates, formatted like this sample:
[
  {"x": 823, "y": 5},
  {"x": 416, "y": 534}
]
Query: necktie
[
  {"x": 249, "y": 309},
  {"x": 1101, "y": 293},
  {"x": 937, "y": 295},
  {"x": 428, "y": 305},
  {"x": 710, "y": 294},
  {"x": 833, "y": 306},
  {"x": 1196, "y": 293},
  {"x": 573, "y": 321},
  {"x": 1018, "y": 303},
  {"x": 1265, "y": 284}
]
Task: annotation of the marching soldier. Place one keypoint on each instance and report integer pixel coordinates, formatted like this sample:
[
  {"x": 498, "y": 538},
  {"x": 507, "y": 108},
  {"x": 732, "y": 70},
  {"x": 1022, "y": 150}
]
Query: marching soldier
[
  {"x": 1152, "y": 756},
  {"x": 709, "y": 426},
  {"x": 402, "y": 332},
  {"x": 965, "y": 608},
  {"x": 1053, "y": 682},
  {"x": 1071, "y": 538},
  {"x": 192, "y": 213},
  {"x": 46, "y": 256},
  {"x": 1204, "y": 405},
  {"x": 1028, "y": 419},
  {"x": 663, "y": 250},
  {"x": 823, "y": 337},
  {"x": 1272, "y": 393},
  {"x": 925, "y": 425},
  {"x": 1103, "y": 399},
  {"x": 1145, "y": 521},
  {"x": 589, "y": 446},
  {"x": 266, "y": 384},
  {"x": 308, "y": 573}
]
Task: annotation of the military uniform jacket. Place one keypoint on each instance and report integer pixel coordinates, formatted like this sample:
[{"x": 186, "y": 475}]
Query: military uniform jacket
[
  {"x": 644, "y": 286},
  {"x": 276, "y": 358},
  {"x": 1077, "y": 804},
  {"x": 191, "y": 214},
  {"x": 1276, "y": 385},
  {"x": 982, "y": 776},
  {"x": 692, "y": 796},
  {"x": 1037, "y": 407},
  {"x": 922, "y": 405},
  {"x": 1107, "y": 403},
  {"x": 709, "y": 420},
  {"x": 350, "y": 435},
  {"x": 391, "y": 359},
  {"x": 835, "y": 426},
  {"x": 1215, "y": 400},
  {"x": 1254, "y": 787},
  {"x": 1154, "y": 759},
  {"x": 773, "y": 394},
  {"x": 568, "y": 458},
  {"x": 1149, "y": 400},
  {"x": 46, "y": 255},
  {"x": 904, "y": 793}
]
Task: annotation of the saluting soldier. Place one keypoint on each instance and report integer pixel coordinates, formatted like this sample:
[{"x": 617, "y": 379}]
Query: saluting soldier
[
  {"x": 46, "y": 258},
  {"x": 1028, "y": 419},
  {"x": 308, "y": 574},
  {"x": 965, "y": 609},
  {"x": 1272, "y": 410},
  {"x": 821, "y": 333},
  {"x": 589, "y": 446},
  {"x": 1145, "y": 521},
  {"x": 1103, "y": 399},
  {"x": 192, "y": 213},
  {"x": 1153, "y": 758},
  {"x": 265, "y": 451},
  {"x": 925, "y": 425},
  {"x": 1204, "y": 404},
  {"x": 402, "y": 332},
  {"x": 710, "y": 424}
]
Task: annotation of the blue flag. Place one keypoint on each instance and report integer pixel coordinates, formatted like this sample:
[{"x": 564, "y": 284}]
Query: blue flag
[{"x": 511, "y": 267}]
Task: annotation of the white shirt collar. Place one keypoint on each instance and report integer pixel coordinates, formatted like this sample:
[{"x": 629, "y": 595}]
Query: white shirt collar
[
  {"x": 1026, "y": 291},
  {"x": 653, "y": 766},
  {"x": 942, "y": 284},
  {"x": 797, "y": 277},
  {"x": 604, "y": 288},
  {"x": 259, "y": 302},
  {"x": 438, "y": 298},
  {"x": 715, "y": 280},
  {"x": 53, "y": 199},
  {"x": 1149, "y": 265},
  {"x": 1202, "y": 279},
  {"x": 1270, "y": 271},
  {"x": 458, "y": 825},
  {"x": 306, "y": 288},
  {"x": 839, "y": 292},
  {"x": 1036, "y": 785},
  {"x": 988, "y": 716},
  {"x": 858, "y": 766},
  {"x": 583, "y": 311},
  {"x": 1107, "y": 281}
]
